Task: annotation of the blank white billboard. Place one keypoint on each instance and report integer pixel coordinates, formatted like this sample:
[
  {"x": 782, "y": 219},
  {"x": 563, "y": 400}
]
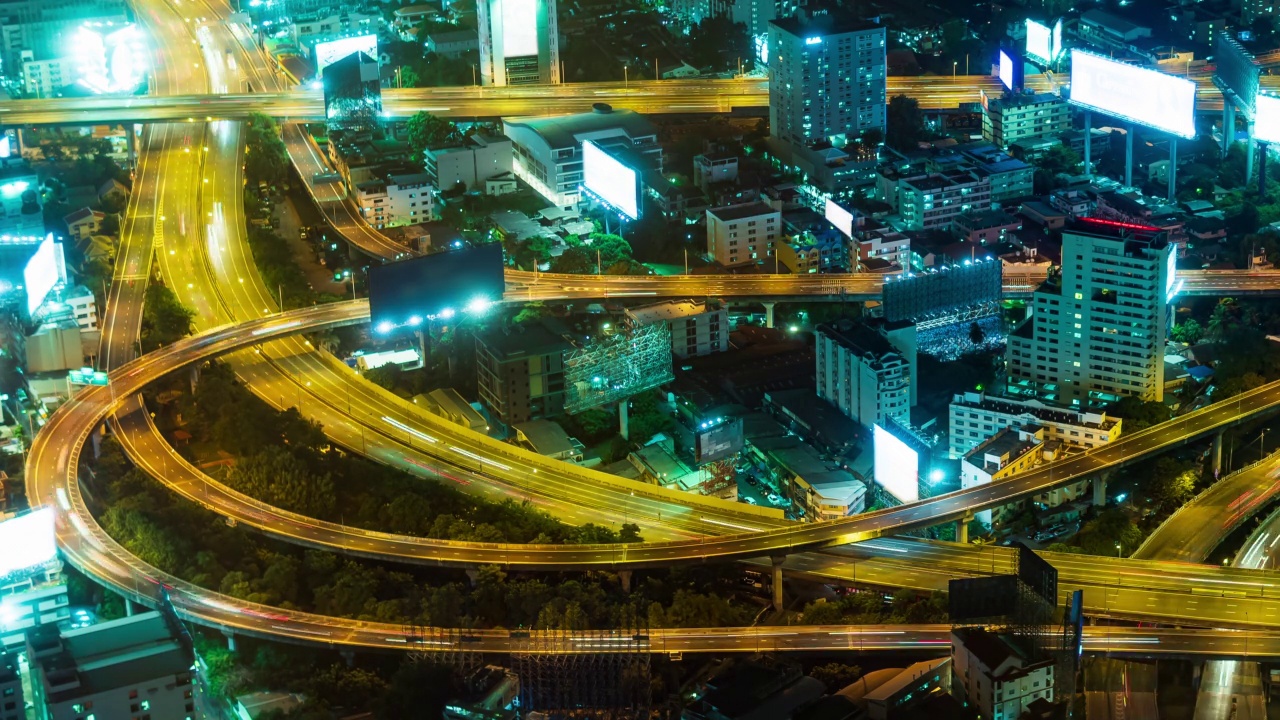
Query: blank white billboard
[
  {"x": 611, "y": 181},
  {"x": 897, "y": 466},
  {"x": 327, "y": 53},
  {"x": 28, "y": 541},
  {"x": 1266, "y": 118},
  {"x": 519, "y": 28},
  {"x": 43, "y": 272},
  {"x": 1147, "y": 97},
  {"x": 1006, "y": 70},
  {"x": 1039, "y": 42},
  {"x": 1057, "y": 48},
  {"x": 841, "y": 218}
]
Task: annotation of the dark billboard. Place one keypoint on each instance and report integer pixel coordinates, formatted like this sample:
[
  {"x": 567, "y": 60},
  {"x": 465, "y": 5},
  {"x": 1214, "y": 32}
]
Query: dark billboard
[
  {"x": 405, "y": 295},
  {"x": 1037, "y": 574},
  {"x": 718, "y": 441},
  {"x": 982, "y": 599}
]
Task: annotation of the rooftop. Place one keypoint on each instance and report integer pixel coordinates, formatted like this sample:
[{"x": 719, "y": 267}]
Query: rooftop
[
  {"x": 545, "y": 436},
  {"x": 114, "y": 654},
  {"x": 824, "y": 24},
  {"x": 565, "y": 131},
  {"x": 1036, "y": 409},
  {"x": 670, "y": 310},
  {"x": 739, "y": 212},
  {"x": 542, "y": 337}
]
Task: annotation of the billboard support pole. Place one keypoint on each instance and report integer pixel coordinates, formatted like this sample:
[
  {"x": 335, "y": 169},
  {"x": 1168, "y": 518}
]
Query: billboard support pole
[
  {"x": 1173, "y": 167},
  {"x": 1088, "y": 143},
  {"x": 1128, "y": 156}
]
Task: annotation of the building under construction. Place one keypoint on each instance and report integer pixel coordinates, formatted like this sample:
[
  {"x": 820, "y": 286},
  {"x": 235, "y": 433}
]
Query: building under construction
[{"x": 613, "y": 367}]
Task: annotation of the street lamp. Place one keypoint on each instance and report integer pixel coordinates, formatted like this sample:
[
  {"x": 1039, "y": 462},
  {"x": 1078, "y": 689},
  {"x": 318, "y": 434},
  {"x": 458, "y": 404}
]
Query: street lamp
[
  {"x": 625, "y": 77},
  {"x": 1118, "y": 550},
  {"x": 954, "y": 63}
]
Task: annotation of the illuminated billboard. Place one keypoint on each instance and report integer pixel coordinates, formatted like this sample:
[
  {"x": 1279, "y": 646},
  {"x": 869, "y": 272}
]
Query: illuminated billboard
[
  {"x": 327, "y": 53},
  {"x": 1006, "y": 70},
  {"x": 1057, "y": 48},
  {"x": 1147, "y": 97},
  {"x": 897, "y": 466},
  {"x": 43, "y": 272},
  {"x": 404, "y": 296},
  {"x": 1039, "y": 42},
  {"x": 110, "y": 58},
  {"x": 717, "y": 439},
  {"x": 615, "y": 184},
  {"x": 841, "y": 218},
  {"x": 28, "y": 542},
  {"x": 1266, "y": 118},
  {"x": 519, "y": 28}
]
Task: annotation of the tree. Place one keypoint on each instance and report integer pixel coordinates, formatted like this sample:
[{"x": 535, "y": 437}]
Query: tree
[
  {"x": 976, "y": 336},
  {"x": 629, "y": 533},
  {"x": 164, "y": 319},
  {"x": 265, "y": 157},
  {"x": 836, "y": 675},
  {"x": 904, "y": 124},
  {"x": 1188, "y": 331},
  {"x": 278, "y": 478},
  {"x": 1111, "y": 527},
  {"x": 1170, "y": 483},
  {"x": 1138, "y": 413},
  {"x": 428, "y": 131},
  {"x": 408, "y": 76},
  {"x": 822, "y": 613}
]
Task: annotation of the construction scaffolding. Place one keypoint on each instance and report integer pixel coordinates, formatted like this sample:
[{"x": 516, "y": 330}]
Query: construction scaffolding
[
  {"x": 603, "y": 675},
  {"x": 614, "y": 367}
]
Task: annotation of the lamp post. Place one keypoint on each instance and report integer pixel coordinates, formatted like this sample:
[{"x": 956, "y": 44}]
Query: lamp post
[
  {"x": 954, "y": 64},
  {"x": 1118, "y": 550},
  {"x": 626, "y": 79}
]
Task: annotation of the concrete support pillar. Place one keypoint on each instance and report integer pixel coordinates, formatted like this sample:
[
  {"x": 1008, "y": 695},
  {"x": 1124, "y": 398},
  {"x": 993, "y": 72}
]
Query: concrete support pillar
[
  {"x": 349, "y": 656},
  {"x": 1262, "y": 172},
  {"x": 1173, "y": 166},
  {"x": 193, "y": 374},
  {"x": 1217, "y": 453},
  {"x": 624, "y": 424},
  {"x": 1088, "y": 144},
  {"x": 231, "y": 640},
  {"x": 768, "y": 314},
  {"x": 1100, "y": 491},
  {"x": 962, "y": 528},
  {"x": 1128, "y": 157},
  {"x": 473, "y": 575},
  {"x": 777, "y": 581},
  {"x": 1228, "y": 125},
  {"x": 624, "y": 576},
  {"x": 131, "y": 133},
  {"x": 1248, "y": 155},
  {"x": 128, "y": 607}
]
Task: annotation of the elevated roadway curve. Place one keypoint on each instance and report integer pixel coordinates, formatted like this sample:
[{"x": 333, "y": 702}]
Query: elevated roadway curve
[{"x": 78, "y": 417}]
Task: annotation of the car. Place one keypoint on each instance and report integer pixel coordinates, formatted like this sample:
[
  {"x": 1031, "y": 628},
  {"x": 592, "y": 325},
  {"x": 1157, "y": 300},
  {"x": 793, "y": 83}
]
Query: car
[
  {"x": 774, "y": 499},
  {"x": 749, "y": 500}
]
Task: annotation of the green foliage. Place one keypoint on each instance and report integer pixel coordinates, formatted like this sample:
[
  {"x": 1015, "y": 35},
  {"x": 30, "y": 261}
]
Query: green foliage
[
  {"x": 904, "y": 124},
  {"x": 869, "y": 608},
  {"x": 1138, "y": 414},
  {"x": 1059, "y": 547},
  {"x": 265, "y": 157},
  {"x": 611, "y": 253},
  {"x": 1057, "y": 160},
  {"x": 647, "y": 418},
  {"x": 1170, "y": 483},
  {"x": 164, "y": 319},
  {"x": 277, "y": 477},
  {"x": 1188, "y": 331},
  {"x": 428, "y": 131},
  {"x": 281, "y": 274},
  {"x": 1100, "y": 535},
  {"x": 836, "y": 675}
]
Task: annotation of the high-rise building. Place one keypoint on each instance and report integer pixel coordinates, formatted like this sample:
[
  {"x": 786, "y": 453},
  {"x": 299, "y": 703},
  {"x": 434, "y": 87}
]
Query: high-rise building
[
  {"x": 1097, "y": 331},
  {"x": 136, "y": 666},
  {"x": 826, "y": 79},
  {"x": 1023, "y": 118},
  {"x": 519, "y": 42},
  {"x": 868, "y": 371}
]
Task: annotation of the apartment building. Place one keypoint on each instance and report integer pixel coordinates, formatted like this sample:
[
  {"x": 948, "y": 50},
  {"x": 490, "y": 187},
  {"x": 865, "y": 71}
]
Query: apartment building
[
  {"x": 1025, "y": 118},
  {"x": 520, "y": 371},
  {"x": 996, "y": 676},
  {"x": 396, "y": 199},
  {"x": 742, "y": 234},
  {"x": 933, "y": 201},
  {"x": 826, "y": 79},
  {"x": 975, "y": 417},
  {"x": 697, "y": 327},
  {"x": 479, "y": 158},
  {"x": 867, "y": 369},
  {"x": 1097, "y": 332},
  {"x": 138, "y": 666}
]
